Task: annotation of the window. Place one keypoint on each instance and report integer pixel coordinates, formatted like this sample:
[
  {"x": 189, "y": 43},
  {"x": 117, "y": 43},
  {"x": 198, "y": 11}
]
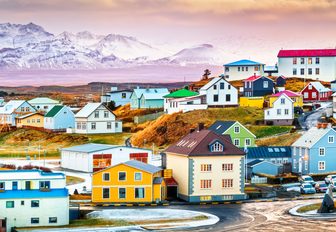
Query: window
[
  {"x": 282, "y": 101},
  {"x": 38, "y": 120},
  {"x": 243, "y": 68},
  {"x": 265, "y": 84},
  {"x": 294, "y": 60},
  {"x": 96, "y": 114},
  {"x": 14, "y": 185},
  {"x": 45, "y": 107},
  {"x": 22, "y": 109},
  {"x": 317, "y": 60},
  {"x": 93, "y": 126},
  {"x": 228, "y": 97},
  {"x": 302, "y": 71},
  {"x": 302, "y": 60},
  {"x": 256, "y": 68},
  {"x": 236, "y": 142},
  {"x": 317, "y": 71},
  {"x": 206, "y": 167},
  {"x": 246, "y": 68},
  {"x": 238, "y": 69},
  {"x": 313, "y": 94},
  {"x": 321, "y": 165},
  {"x": 106, "y": 193},
  {"x": 310, "y": 60},
  {"x": 34, "y": 220},
  {"x": 236, "y": 129},
  {"x": 215, "y": 86},
  {"x": 278, "y": 111},
  {"x": 247, "y": 142},
  {"x": 28, "y": 120},
  {"x": 306, "y": 164},
  {"x": 330, "y": 139},
  {"x": 122, "y": 176},
  {"x": 294, "y": 164},
  {"x": 227, "y": 167},
  {"x": 140, "y": 193},
  {"x": 286, "y": 111},
  {"x": 217, "y": 147},
  {"x": 268, "y": 112},
  {"x": 109, "y": 125},
  {"x": 106, "y": 114},
  {"x": 305, "y": 95},
  {"x": 53, "y": 220},
  {"x": 2, "y": 185},
  {"x": 227, "y": 183},
  {"x": 227, "y": 69},
  {"x": 9, "y": 204},
  {"x": 321, "y": 151},
  {"x": 79, "y": 125},
  {"x": 28, "y": 187},
  {"x": 205, "y": 184},
  {"x": 27, "y": 109},
  {"x": 106, "y": 176},
  {"x": 116, "y": 125},
  {"x": 294, "y": 71},
  {"x": 215, "y": 98},
  {"x": 222, "y": 85},
  {"x": 229, "y": 86},
  {"x": 45, "y": 184},
  {"x": 310, "y": 71},
  {"x": 123, "y": 95},
  {"x": 122, "y": 193},
  {"x": 33, "y": 120},
  {"x": 83, "y": 125},
  {"x": 138, "y": 176},
  {"x": 35, "y": 203}
]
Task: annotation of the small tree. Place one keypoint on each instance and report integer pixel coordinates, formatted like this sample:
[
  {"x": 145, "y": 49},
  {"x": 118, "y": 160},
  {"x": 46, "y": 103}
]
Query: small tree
[{"x": 206, "y": 74}]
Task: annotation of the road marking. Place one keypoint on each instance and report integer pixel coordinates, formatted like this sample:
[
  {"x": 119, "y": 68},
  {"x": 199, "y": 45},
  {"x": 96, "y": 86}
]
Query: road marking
[
  {"x": 238, "y": 202},
  {"x": 203, "y": 203},
  {"x": 227, "y": 202},
  {"x": 129, "y": 205},
  {"x": 116, "y": 205},
  {"x": 153, "y": 204},
  {"x": 214, "y": 203}
]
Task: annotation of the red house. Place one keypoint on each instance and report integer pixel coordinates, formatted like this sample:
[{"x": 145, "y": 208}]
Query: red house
[{"x": 315, "y": 91}]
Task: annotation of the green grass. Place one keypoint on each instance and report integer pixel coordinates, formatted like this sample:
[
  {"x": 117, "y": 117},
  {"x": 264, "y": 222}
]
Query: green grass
[
  {"x": 91, "y": 222},
  {"x": 307, "y": 208},
  {"x": 109, "y": 138},
  {"x": 264, "y": 131}
]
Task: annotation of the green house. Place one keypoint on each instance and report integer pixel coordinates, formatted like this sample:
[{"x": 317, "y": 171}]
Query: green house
[{"x": 240, "y": 135}]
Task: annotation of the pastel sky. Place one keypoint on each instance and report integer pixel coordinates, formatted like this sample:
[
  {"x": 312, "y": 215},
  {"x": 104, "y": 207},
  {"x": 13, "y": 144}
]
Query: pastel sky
[{"x": 261, "y": 24}]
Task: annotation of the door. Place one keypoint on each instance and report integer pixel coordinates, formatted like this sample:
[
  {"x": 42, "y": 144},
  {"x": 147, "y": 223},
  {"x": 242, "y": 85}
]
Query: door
[
  {"x": 27, "y": 185},
  {"x": 15, "y": 185}
]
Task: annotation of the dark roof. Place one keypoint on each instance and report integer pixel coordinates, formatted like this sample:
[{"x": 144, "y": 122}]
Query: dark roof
[
  {"x": 268, "y": 152},
  {"x": 254, "y": 162},
  {"x": 197, "y": 144},
  {"x": 157, "y": 180},
  {"x": 51, "y": 113},
  {"x": 221, "y": 126},
  {"x": 171, "y": 181}
]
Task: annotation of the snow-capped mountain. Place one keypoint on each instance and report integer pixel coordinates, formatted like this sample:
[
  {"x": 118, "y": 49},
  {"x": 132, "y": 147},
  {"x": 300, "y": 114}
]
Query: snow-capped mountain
[{"x": 31, "y": 47}]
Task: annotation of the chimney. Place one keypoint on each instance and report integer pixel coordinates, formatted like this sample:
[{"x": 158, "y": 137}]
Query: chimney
[
  {"x": 200, "y": 126},
  {"x": 318, "y": 125}
]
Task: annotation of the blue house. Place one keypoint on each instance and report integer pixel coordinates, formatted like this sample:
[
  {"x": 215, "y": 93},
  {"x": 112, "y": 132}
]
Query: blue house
[
  {"x": 120, "y": 97},
  {"x": 13, "y": 109},
  {"x": 315, "y": 151},
  {"x": 274, "y": 154},
  {"x": 59, "y": 117},
  {"x": 148, "y": 98},
  {"x": 264, "y": 167},
  {"x": 241, "y": 69},
  {"x": 256, "y": 86}
]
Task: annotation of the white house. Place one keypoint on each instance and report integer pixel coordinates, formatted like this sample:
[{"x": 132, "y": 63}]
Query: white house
[
  {"x": 219, "y": 93},
  {"x": 30, "y": 198},
  {"x": 282, "y": 112},
  {"x": 93, "y": 157},
  {"x": 120, "y": 97},
  {"x": 96, "y": 118},
  {"x": 14, "y": 108},
  {"x": 308, "y": 63},
  {"x": 241, "y": 69},
  {"x": 43, "y": 104}
]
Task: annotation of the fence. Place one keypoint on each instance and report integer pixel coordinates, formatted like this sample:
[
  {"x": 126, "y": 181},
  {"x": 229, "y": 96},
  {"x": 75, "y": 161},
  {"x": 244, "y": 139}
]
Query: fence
[
  {"x": 258, "y": 180},
  {"x": 147, "y": 117},
  {"x": 44, "y": 130}
]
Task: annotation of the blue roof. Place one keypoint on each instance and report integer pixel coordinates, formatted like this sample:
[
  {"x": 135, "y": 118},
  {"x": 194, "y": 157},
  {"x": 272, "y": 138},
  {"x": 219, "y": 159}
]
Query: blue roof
[
  {"x": 9, "y": 194},
  {"x": 254, "y": 162},
  {"x": 243, "y": 63},
  {"x": 142, "y": 166},
  {"x": 268, "y": 152},
  {"x": 154, "y": 91}
]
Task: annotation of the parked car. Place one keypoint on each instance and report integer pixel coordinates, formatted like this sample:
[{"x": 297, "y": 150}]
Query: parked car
[
  {"x": 307, "y": 189},
  {"x": 307, "y": 180},
  {"x": 321, "y": 187},
  {"x": 292, "y": 187},
  {"x": 330, "y": 177}
]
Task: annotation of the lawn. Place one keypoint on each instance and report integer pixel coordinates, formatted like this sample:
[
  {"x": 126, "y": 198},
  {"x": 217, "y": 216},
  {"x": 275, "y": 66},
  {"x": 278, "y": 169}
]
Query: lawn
[
  {"x": 311, "y": 207},
  {"x": 265, "y": 131},
  {"x": 281, "y": 140}
]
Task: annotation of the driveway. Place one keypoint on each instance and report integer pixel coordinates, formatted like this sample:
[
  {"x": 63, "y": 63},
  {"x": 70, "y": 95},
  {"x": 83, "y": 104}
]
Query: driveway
[{"x": 313, "y": 118}]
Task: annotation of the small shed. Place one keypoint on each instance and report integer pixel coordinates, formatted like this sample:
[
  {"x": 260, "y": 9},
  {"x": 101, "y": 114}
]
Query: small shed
[{"x": 264, "y": 167}]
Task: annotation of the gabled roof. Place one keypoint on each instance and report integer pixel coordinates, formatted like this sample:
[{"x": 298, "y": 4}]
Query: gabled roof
[
  {"x": 89, "y": 147},
  {"x": 258, "y": 162},
  {"x": 53, "y": 111},
  {"x": 255, "y": 77},
  {"x": 287, "y": 92},
  {"x": 139, "y": 92},
  {"x": 28, "y": 115},
  {"x": 142, "y": 166},
  {"x": 212, "y": 82},
  {"x": 181, "y": 93},
  {"x": 153, "y": 96},
  {"x": 221, "y": 127},
  {"x": 197, "y": 144},
  {"x": 268, "y": 152},
  {"x": 89, "y": 108},
  {"x": 307, "y": 53},
  {"x": 158, "y": 180},
  {"x": 243, "y": 63},
  {"x": 312, "y": 136},
  {"x": 288, "y": 98},
  {"x": 43, "y": 100},
  {"x": 11, "y": 106},
  {"x": 254, "y": 162},
  {"x": 318, "y": 86}
]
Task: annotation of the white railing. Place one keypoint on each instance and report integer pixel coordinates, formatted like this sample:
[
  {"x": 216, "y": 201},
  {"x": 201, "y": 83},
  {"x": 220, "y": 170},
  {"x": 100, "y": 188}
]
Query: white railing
[{"x": 258, "y": 180}]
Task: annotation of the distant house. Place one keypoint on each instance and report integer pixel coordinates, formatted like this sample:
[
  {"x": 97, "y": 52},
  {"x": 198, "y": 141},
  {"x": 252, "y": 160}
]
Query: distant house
[
  {"x": 120, "y": 97},
  {"x": 13, "y": 109},
  {"x": 152, "y": 100},
  {"x": 281, "y": 113},
  {"x": 264, "y": 167},
  {"x": 240, "y": 135},
  {"x": 156, "y": 98},
  {"x": 256, "y": 86},
  {"x": 332, "y": 86},
  {"x": 184, "y": 100},
  {"x": 334, "y": 105},
  {"x": 59, "y": 118},
  {"x": 43, "y": 104},
  {"x": 35, "y": 119},
  {"x": 315, "y": 91},
  {"x": 296, "y": 97},
  {"x": 273, "y": 154},
  {"x": 241, "y": 69},
  {"x": 207, "y": 167},
  {"x": 132, "y": 181},
  {"x": 219, "y": 93},
  {"x": 314, "y": 152},
  {"x": 96, "y": 118},
  {"x": 280, "y": 81}
]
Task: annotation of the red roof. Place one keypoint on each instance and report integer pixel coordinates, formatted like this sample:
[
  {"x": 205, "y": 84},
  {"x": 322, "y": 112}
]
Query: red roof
[
  {"x": 252, "y": 78},
  {"x": 171, "y": 182},
  {"x": 307, "y": 53},
  {"x": 287, "y": 92}
]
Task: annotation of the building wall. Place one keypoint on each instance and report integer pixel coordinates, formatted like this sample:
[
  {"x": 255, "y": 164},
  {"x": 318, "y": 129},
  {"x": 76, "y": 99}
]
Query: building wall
[
  {"x": 180, "y": 167},
  {"x": 44, "y": 107},
  {"x": 257, "y": 102},
  {"x": 171, "y": 106},
  {"x": 266, "y": 168},
  {"x": 25, "y": 108},
  {"x": 241, "y": 136},
  {"x": 64, "y": 119},
  {"x": 298, "y": 101},
  {"x": 118, "y": 98},
  {"x": 135, "y": 101},
  {"x": 36, "y": 120},
  {"x": 151, "y": 103},
  {"x": 271, "y": 113},
  {"x": 327, "y": 68},
  {"x": 234, "y": 74}
]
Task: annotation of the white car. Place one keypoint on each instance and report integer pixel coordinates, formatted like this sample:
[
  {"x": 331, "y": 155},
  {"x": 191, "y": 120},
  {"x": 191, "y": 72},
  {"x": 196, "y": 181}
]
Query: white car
[{"x": 330, "y": 178}]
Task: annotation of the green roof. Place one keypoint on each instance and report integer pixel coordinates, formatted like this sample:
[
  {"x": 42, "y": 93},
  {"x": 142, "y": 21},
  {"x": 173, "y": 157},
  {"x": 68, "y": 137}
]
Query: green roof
[
  {"x": 51, "y": 113},
  {"x": 181, "y": 93}
]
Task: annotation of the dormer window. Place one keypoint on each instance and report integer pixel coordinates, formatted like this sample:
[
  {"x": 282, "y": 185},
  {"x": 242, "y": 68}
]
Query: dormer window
[{"x": 217, "y": 147}]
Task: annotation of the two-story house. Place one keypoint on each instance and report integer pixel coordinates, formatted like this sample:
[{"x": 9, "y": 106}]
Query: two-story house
[
  {"x": 241, "y": 69},
  {"x": 296, "y": 97},
  {"x": 119, "y": 97},
  {"x": 30, "y": 198},
  {"x": 256, "y": 86},
  {"x": 281, "y": 112},
  {"x": 13, "y": 109},
  {"x": 315, "y": 91}
]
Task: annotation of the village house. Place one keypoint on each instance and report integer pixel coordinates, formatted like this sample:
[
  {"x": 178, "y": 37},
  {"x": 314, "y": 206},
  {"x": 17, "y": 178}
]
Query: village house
[
  {"x": 13, "y": 109},
  {"x": 258, "y": 167},
  {"x": 315, "y": 91},
  {"x": 93, "y": 157},
  {"x": 152, "y": 100},
  {"x": 119, "y": 97},
  {"x": 219, "y": 93},
  {"x": 156, "y": 100},
  {"x": 59, "y": 118},
  {"x": 31, "y": 198},
  {"x": 96, "y": 118},
  {"x": 207, "y": 167},
  {"x": 43, "y": 104},
  {"x": 241, "y": 69},
  {"x": 280, "y": 81},
  {"x": 35, "y": 119},
  {"x": 319, "y": 64},
  {"x": 240, "y": 135},
  {"x": 281, "y": 113},
  {"x": 256, "y": 86},
  {"x": 296, "y": 98},
  {"x": 129, "y": 182},
  {"x": 273, "y": 154},
  {"x": 333, "y": 86},
  {"x": 314, "y": 152},
  {"x": 184, "y": 100}
]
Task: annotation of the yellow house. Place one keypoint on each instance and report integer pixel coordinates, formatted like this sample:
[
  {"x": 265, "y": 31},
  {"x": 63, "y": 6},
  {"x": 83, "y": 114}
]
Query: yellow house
[
  {"x": 33, "y": 119},
  {"x": 257, "y": 102},
  {"x": 297, "y": 98},
  {"x": 129, "y": 182}
]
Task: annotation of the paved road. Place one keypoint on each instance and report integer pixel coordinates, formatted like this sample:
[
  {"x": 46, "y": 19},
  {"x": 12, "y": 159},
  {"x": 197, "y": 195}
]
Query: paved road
[{"x": 313, "y": 118}]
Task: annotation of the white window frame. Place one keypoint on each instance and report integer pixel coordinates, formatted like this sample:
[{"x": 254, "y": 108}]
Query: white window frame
[
  {"x": 104, "y": 176},
  {"x": 136, "y": 174},
  {"x": 234, "y": 142},
  {"x": 321, "y": 149},
  {"x": 236, "y": 131},
  {"x": 125, "y": 193},
  {"x": 249, "y": 143},
  {"x": 331, "y": 137},
  {"x": 125, "y": 176},
  {"x": 103, "y": 193},
  {"x": 319, "y": 165},
  {"x": 265, "y": 84}
]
